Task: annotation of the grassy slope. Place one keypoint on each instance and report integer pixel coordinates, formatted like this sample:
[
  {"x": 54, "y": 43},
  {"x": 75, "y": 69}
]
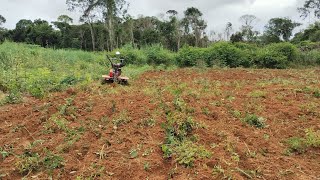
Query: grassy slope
[{"x": 29, "y": 68}]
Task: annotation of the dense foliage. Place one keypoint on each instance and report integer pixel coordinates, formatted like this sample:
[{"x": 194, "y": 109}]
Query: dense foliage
[
  {"x": 38, "y": 71},
  {"x": 117, "y": 29}
]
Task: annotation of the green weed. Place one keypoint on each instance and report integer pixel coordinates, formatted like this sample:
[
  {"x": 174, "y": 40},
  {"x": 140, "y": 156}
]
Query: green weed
[
  {"x": 147, "y": 122},
  {"x": 122, "y": 119},
  {"x": 187, "y": 152},
  {"x": 299, "y": 145},
  {"x": 133, "y": 153},
  {"x": 255, "y": 121},
  {"x": 146, "y": 166},
  {"x": 258, "y": 94}
]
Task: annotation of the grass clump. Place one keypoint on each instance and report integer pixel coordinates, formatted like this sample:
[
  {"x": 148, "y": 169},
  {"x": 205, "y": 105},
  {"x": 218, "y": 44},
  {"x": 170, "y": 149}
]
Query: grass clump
[
  {"x": 312, "y": 138},
  {"x": 296, "y": 144},
  {"x": 255, "y": 121},
  {"x": 299, "y": 145},
  {"x": 122, "y": 119},
  {"x": 187, "y": 152},
  {"x": 28, "y": 162},
  {"x": 258, "y": 94},
  {"x": 31, "y": 161},
  {"x": 316, "y": 93}
]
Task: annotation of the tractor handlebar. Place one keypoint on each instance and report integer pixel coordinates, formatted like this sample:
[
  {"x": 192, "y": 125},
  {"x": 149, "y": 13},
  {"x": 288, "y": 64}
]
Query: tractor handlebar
[{"x": 112, "y": 59}]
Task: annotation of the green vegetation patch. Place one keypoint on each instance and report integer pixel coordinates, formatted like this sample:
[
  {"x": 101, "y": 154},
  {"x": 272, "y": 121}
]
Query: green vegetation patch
[
  {"x": 180, "y": 142},
  {"x": 299, "y": 145}
]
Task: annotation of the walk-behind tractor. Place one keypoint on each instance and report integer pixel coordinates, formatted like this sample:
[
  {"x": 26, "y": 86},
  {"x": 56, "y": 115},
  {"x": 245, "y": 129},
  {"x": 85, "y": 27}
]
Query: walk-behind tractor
[{"x": 115, "y": 73}]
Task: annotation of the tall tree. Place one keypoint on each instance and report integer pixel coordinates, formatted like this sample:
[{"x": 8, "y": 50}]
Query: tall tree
[
  {"x": 172, "y": 30},
  {"x": 65, "y": 19},
  {"x": 2, "y": 30},
  {"x": 129, "y": 25},
  {"x": 87, "y": 16},
  {"x": 193, "y": 21},
  {"x": 228, "y": 30},
  {"x": 310, "y": 6},
  {"x": 63, "y": 24},
  {"x": 281, "y": 27},
  {"x": 111, "y": 9},
  {"x": 312, "y": 33},
  {"x": 43, "y": 34},
  {"x": 146, "y": 30},
  {"x": 22, "y": 31},
  {"x": 2, "y": 20},
  {"x": 236, "y": 37},
  {"x": 248, "y": 22}
]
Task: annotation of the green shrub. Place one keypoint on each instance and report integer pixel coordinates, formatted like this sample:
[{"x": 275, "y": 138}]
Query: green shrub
[
  {"x": 131, "y": 55},
  {"x": 310, "y": 58},
  {"x": 249, "y": 51},
  {"x": 14, "y": 97},
  {"x": 30, "y": 161},
  {"x": 225, "y": 54},
  {"x": 271, "y": 59},
  {"x": 286, "y": 49},
  {"x": 276, "y": 56},
  {"x": 52, "y": 161},
  {"x": 316, "y": 93},
  {"x": 192, "y": 56},
  {"x": 308, "y": 45},
  {"x": 187, "y": 152},
  {"x": 180, "y": 142},
  {"x": 157, "y": 55},
  {"x": 315, "y": 37},
  {"x": 255, "y": 121}
]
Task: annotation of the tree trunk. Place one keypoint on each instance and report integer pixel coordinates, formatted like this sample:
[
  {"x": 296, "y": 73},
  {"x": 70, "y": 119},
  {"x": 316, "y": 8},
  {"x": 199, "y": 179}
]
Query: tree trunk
[
  {"x": 178, "y": 43},
  {"x": 110, "y": 28},
  {"x": 131, "y": 33},
  {"x": 92, "y": 37}
]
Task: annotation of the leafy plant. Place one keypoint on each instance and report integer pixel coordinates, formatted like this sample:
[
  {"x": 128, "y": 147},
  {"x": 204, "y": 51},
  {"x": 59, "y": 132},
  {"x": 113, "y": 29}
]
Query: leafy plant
[
  {"x": 28, "y": 162},
  {"x": 296, "y": 144},
  {"x": 312, "y": 138},
  {"x": 187, "y": 152},
  {"x": 52, "y": 161},
  {"x": 180, "y": 140},
  {"x": 133, "y": 153},
  {"x": 254, "y": 120}
]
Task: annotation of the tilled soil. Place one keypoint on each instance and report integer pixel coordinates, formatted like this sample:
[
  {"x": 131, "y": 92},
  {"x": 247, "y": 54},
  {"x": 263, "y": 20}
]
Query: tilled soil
[{"x": 106, "y": 134}]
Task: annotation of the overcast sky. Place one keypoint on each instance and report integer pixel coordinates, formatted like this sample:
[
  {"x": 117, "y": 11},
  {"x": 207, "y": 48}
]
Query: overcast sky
[{"x": 216, "y": 12}]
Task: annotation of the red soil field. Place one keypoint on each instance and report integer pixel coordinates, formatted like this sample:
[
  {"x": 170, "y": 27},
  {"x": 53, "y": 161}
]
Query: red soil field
[{"x": 105, "y": 134}]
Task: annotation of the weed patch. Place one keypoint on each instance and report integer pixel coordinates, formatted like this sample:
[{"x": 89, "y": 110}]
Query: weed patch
[
  {"x": 255, "y": 121},
  {"x": 299, "y": 145},
  {"x": 179, "y": 142},
  {"x": 31, "y": 161}
]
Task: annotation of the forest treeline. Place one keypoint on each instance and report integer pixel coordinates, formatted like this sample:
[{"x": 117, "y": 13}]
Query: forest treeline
[{"x": 106, "y": 25}]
